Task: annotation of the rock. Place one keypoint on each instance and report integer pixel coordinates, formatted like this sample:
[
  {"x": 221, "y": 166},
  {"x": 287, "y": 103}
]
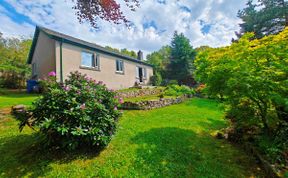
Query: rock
[
  {"x": 152, "y": 104},
  {"x": 18, "y": 107},
  {"x": 139, "y": 93}
]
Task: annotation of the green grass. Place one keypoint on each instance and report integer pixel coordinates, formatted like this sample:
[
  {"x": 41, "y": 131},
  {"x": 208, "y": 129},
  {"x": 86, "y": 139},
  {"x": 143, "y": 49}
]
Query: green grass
[
  {"x": 9, "y": 98},
  {"x": 174, "y": 141}
]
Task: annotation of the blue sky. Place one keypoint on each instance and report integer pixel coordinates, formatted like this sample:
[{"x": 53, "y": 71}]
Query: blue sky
[{"x": 204, "y": 22}]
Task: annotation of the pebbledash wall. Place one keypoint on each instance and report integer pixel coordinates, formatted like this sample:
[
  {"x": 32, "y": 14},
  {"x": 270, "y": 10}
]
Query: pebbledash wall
[
  {"x": 44, "y": 56},
  {"x": 71, "y": 61}
]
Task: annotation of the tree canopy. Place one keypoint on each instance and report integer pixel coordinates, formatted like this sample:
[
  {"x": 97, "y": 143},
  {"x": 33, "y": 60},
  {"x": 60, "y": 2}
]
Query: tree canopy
[
  {"x": 252, "y": 76},
  {"x": 264, "y": 18},
  {"x": 123, "y": 51},
  {"x": 182, "y": 56},
  {"x": 108, "y": 10},
  {"x": 13, "y": 67}
]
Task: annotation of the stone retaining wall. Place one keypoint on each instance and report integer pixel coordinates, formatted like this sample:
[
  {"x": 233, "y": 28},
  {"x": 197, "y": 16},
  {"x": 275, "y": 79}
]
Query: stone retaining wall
[
  {"x": 152, "y": 104},
  {"x": 139, "y": 93}
]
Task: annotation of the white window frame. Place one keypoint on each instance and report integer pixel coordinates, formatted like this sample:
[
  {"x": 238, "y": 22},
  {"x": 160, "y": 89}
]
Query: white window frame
[
  {"x": 122, "y": 67},
  {"x": 95, "y": 60}
]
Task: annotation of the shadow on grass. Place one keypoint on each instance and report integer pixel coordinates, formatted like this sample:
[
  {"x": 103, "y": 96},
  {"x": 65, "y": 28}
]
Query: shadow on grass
[
  {"x": 175, "y": 152},
  {"x": 24, "y": 155}
]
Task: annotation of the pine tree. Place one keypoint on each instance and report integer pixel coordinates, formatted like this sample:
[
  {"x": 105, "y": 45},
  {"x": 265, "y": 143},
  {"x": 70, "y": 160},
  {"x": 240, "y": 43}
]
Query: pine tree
[
  {"x": 182, "y": 57},
  {"x": 271, "y": 18}
]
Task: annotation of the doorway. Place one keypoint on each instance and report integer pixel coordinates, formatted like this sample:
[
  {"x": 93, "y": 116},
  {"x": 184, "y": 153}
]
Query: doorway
[{"x": 140, "y": 74}]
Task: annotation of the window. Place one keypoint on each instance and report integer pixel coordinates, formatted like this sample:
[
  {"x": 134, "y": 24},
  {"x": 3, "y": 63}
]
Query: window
[
  {"x": 119, "y": 66},
  {"x": 89, "y": 60}
]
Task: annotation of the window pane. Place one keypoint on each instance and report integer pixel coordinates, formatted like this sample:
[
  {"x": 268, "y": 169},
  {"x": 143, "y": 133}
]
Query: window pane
[
  {"x": 97, "y": 61},
  {"x": 119, "y": 65},
  {"x": 87, "y": 59}
]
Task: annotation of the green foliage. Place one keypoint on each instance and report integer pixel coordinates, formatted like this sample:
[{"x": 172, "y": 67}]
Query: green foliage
[
  {"x": 13, "y": 68},
  {"x": 128, "y": 53},
  {"x": 270, "y": 18},
  {"x": 160, "y": 60},
  {"x": 182, "y": 56},
  {"x": 156, "y": 79},
  {"x": 79, "y": 112},
  {"x": 251, "y": 77},
  {"x": 177, "y": 90},
  {"x": 172, "y": 82},
  {"x": 123, "y": 51}
]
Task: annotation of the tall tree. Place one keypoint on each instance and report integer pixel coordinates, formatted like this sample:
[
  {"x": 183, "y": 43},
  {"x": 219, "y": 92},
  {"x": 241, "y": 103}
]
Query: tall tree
[
  {"x": 182, "y": 58},
  {"x": 108, "y": 10},
  {"x": 271, "y": 18},
  {"x": 160, "y": 59},
  {"x": 249, "y": 18}
]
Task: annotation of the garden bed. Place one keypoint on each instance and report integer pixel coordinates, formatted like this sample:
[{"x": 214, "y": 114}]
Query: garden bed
[
  {"x": 152, "y": 102},
  {"x": 134, "y": 92}
]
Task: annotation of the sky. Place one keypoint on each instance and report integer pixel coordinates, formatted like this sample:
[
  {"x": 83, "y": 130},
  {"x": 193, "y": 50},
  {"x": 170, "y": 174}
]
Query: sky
[{"x": 204, "y": 22}]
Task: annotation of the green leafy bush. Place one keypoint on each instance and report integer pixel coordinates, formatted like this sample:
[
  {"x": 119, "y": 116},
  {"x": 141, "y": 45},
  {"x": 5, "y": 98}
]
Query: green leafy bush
[
  {"x": 250, "y": 76},
  {"x": 172, "y": 82},
  {"x": 177, "y": 90},
  {"x": 156, "y": 79},
  {"x": 79, "y": 112}
]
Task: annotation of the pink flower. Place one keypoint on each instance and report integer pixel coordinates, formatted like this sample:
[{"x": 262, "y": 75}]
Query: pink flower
[
  {"x": 115, "y": 96},
  {"x": 66, "y": 88},
  {"x": 115, "y": 108},
  {"x": 82, "y": 106},
  {"x": 121, "y": 100},
  {"x": 100, "y": 82},
  {"x": 52, "y": 74}
]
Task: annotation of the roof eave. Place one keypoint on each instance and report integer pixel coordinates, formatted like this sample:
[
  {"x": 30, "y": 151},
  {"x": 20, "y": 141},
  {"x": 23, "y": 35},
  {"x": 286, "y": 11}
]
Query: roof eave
[
  {"x": 64, "y": 40},
  {"x": 33, "y": 46}
]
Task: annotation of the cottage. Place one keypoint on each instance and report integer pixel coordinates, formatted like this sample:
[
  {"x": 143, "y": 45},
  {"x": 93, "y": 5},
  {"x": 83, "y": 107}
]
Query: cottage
[{"x": 53, "y": 51}]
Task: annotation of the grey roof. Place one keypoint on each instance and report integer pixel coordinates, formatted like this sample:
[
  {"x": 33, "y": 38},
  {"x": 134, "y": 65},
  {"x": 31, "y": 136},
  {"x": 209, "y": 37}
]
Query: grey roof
[{"x": 77, "y": 42}]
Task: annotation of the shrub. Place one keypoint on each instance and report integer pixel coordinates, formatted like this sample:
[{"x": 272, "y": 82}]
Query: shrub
[
  {"x": 250, "y": 76},
  {"x": 172, "y": 82},
  {"x": 156, "y": 79},
  {"x": 177, "y": 90},
  {"x": 79, "y": 112}
]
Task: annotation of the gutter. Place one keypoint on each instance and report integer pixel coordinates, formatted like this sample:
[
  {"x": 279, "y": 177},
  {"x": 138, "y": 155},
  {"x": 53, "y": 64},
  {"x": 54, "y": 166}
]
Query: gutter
[{"x": 61, "y": 63}]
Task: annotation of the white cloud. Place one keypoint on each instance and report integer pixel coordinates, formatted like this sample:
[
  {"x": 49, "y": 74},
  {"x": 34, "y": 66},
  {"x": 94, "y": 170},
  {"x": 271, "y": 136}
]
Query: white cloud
[{"x": 183, "y": 16}]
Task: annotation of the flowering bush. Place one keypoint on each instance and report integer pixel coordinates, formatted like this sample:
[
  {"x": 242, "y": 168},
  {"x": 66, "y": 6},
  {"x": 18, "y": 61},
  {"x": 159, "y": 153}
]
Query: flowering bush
[{"x": 78, "y": 112}]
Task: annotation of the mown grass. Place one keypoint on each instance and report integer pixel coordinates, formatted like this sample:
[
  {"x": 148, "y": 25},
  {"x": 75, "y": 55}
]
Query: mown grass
[
  {"x": 9, "y": 98},
  {"x": 174, "y": 141}
]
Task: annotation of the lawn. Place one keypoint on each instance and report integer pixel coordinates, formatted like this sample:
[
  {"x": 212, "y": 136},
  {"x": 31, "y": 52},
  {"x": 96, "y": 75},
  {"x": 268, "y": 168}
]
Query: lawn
[
  {"x": 10, "y": 98},
  {"x": 174, "y": 141}
]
